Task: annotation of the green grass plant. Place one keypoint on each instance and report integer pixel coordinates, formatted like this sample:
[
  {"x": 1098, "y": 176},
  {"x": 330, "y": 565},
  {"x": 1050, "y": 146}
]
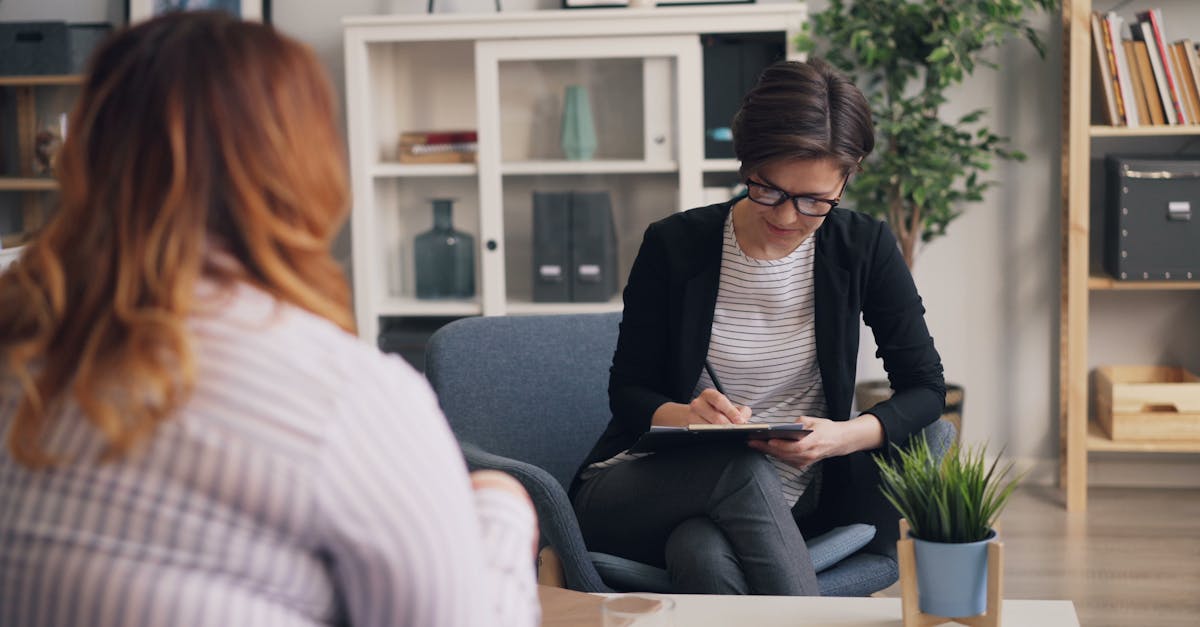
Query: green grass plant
[{"x": 956, "y": 499}]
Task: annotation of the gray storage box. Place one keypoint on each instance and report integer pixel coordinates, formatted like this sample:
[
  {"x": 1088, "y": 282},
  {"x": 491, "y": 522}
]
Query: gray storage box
[
  {"x": 84, "y": 39},
  {"x": 1153, "y": 218},
  {"x": 34, "y": 48}
]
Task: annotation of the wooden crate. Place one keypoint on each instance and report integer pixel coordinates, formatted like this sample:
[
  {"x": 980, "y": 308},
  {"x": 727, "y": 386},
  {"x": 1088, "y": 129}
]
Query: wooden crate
[{"x": 1148, "y": 403}]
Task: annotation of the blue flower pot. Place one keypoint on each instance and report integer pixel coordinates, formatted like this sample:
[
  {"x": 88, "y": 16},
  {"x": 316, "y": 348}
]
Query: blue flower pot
[{"x": 952, "y": 577}]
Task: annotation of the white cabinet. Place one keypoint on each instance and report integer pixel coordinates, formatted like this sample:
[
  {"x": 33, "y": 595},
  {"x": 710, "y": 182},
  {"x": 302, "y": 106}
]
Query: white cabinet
[{"x": 504, "y": 76}]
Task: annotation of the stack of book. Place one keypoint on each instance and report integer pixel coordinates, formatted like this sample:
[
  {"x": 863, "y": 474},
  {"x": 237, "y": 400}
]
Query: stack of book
[
  {"x": 438, "y": 146},
  {"x": 1142, "y": 78}
]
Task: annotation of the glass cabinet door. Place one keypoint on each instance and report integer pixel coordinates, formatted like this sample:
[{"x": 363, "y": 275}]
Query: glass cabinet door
[
  {"x": 415, "y": 114},
  {"x": 583, "y": 144}
]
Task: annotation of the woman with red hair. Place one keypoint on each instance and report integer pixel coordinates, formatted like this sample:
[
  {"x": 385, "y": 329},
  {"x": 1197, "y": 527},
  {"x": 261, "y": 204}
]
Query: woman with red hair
[{"x": 193, "y": 434}]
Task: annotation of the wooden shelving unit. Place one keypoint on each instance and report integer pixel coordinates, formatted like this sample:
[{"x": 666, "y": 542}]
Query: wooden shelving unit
[
  {"x": 41, "y": 81},
  {"x": 1096, "y": 282},
  {"x": 27, "y": 184},
  {"x": 24, "y": 182},
  {"x": 1144, "y": 131},
  {"x": 1078, "y": 435},
  {"x": 503, "y": 75},
  {"x": 1098, "y": 440}
]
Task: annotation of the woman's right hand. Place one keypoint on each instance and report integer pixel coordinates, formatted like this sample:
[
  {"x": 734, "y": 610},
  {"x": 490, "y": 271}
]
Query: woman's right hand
[{"x": 710, "y": 407}]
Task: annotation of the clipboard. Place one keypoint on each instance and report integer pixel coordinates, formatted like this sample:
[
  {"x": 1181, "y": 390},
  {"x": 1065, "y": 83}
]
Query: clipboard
[{"x": 669, "y": 438}]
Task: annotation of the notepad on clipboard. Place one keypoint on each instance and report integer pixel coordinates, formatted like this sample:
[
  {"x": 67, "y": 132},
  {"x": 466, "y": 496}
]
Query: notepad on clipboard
[{"x": 668, "y": 438}]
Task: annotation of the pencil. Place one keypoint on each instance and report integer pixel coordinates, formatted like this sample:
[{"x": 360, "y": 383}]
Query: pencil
[{"x": 713, "y": 376}]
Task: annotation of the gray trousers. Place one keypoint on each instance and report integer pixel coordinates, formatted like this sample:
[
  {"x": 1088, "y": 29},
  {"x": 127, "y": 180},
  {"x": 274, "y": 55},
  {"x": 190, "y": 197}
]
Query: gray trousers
[{"x": 714, "y": 517}]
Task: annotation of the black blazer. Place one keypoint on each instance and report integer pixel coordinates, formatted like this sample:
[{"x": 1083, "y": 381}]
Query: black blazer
[{"x": 669, "y": 302}]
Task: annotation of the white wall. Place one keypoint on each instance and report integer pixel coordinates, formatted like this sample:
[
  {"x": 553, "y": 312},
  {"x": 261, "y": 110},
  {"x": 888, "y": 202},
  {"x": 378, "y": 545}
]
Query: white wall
[{"x": 991, "y": 286}]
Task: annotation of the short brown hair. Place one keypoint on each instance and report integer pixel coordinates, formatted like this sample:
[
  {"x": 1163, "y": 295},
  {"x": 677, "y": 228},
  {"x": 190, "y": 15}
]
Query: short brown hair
[{"x": 802, "y": 110}]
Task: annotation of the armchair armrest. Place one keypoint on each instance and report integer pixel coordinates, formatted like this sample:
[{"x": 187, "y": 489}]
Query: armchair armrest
[{"x": 556, "y": 516}]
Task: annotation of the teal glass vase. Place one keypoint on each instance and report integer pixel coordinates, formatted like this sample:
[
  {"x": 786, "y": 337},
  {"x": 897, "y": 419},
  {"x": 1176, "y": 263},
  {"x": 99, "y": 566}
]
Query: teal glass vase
[
  {"x": 578, "y": 128},
  {"x": 444, "y": 257}
]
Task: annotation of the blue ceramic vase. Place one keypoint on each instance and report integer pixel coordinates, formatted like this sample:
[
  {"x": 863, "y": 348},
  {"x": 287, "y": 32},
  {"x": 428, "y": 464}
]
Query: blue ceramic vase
[{"x": 578, "y": 128}]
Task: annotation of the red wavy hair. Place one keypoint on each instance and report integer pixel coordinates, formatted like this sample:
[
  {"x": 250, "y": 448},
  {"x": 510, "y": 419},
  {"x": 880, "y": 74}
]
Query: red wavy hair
[{"x": 194, "y": 133}]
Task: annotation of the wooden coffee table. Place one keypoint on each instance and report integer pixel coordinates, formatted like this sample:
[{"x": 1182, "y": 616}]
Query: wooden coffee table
[{"x": 567, "y": 608}]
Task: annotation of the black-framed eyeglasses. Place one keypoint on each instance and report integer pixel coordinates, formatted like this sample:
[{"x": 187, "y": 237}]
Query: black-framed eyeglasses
[{"x": 769, "y": 196}]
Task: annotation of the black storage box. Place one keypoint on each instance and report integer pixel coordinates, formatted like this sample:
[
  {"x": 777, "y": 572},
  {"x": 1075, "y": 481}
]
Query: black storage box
[
  {"x": 84, "y": 38},
  {"x": 34, "y": 48},
  {"x": 732, "y": 65},
  {"x": 1153, "y": 218}
]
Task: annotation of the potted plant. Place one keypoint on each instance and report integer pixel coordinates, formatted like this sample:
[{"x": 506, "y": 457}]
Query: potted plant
[
  {"x": 906, "y": 56},
  {"x": 951, "y": 506}
]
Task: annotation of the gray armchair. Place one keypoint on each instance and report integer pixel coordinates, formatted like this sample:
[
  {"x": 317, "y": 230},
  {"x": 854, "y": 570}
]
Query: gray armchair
[{"x": 529, "y": 395}]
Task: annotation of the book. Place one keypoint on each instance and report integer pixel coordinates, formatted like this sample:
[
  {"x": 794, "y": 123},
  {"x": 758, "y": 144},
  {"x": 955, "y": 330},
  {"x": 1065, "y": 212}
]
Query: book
[
  {"x": 438, "y": 146},
  {"x": 1194, "y": 56},
  {"x": 438, "y": 137},
  {"x": 1183, "y": 78},
  {"x": 669, "y": 438},
  {"x": 1155, "y": 20},
  {"x": 451, "y": 156},
  {"x": 1185, "y": 52},
  {"x": 1139, "y": 89},
  {"x": 1145, "y": 33},
  {"x": 1110, "y": 58},
  {"x": 1116, "y": 25},
  {"x": 1103, "y": 75},
  {"x": 425, "y": 149},
  {"x": 1154, "y": 103}
]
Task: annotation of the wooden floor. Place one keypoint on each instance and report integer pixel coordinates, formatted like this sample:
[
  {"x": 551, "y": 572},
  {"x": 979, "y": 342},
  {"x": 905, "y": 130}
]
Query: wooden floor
[{"x": 1133, "y": 560}]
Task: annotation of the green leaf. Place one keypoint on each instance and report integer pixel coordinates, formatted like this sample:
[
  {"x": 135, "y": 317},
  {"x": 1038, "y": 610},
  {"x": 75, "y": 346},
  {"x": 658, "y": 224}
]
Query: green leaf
[
  {"x": 905, "y": 55},
  {"x": 954, "y": 500}
]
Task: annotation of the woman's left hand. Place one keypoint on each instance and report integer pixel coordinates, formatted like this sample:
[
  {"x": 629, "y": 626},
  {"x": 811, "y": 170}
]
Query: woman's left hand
[{"x": 829, "y": 438}]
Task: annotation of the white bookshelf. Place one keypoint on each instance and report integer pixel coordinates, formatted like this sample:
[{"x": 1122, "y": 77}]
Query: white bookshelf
[{"x": 503, "y": 75}]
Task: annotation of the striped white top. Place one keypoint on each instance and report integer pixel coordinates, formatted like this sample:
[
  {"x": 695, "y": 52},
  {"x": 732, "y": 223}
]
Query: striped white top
[
  {"x": 309, "y": 480},
  {"x": 763, "y": 346}
]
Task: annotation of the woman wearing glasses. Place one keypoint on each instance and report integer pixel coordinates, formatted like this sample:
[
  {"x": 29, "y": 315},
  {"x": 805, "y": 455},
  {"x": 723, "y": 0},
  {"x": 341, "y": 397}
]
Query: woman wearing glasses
[{"x": 747, "y": 311}]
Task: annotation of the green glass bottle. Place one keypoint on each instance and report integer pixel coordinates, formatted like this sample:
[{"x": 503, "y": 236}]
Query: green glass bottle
[{"x": 445, "y": 258}]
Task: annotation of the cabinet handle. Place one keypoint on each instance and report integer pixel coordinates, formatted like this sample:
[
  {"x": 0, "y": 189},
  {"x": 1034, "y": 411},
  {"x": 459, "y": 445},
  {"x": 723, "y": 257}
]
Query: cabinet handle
[{"x": 491, "y": 244}]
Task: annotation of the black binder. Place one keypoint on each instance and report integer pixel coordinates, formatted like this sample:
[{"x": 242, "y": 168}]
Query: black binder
[
  {"x": 593, "y": 248},
  {"x": 551, "y": 246}
]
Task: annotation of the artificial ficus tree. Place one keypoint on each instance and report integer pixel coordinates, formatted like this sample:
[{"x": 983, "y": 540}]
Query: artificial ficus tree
[{"x": 906, "y": 55}]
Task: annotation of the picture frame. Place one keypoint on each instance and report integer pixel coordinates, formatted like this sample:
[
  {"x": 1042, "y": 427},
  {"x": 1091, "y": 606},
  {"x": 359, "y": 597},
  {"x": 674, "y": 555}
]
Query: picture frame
[{"x": 256, "y": 10}]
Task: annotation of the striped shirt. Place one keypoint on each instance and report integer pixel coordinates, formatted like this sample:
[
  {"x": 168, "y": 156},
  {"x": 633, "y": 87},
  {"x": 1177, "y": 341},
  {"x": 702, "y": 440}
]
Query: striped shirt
[
  {"x": 763, "y": 345},
  {"x": 309, "y": 480}
]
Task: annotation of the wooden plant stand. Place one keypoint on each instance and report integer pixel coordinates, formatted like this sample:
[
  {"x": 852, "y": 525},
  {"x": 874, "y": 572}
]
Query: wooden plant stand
[{"x": 914, "y": 617}]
